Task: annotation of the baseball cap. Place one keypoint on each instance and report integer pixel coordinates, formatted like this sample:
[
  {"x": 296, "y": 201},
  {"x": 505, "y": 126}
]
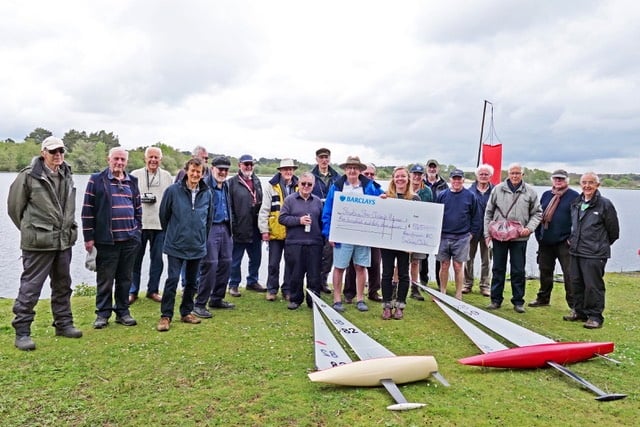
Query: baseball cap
[
  {"x": 417, "y": 169},
  {"x": 221, "y": 162},
  {"x": 51, "y": 143},
  {"x": 560, "y": 173},
  {"x": 456, "y": 173},
  {"x": 434, "y": 161}
]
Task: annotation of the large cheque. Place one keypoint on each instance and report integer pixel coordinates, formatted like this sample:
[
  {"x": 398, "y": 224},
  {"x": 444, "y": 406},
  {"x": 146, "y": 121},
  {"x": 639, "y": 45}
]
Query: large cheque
[{"x": 407, "y": 225}]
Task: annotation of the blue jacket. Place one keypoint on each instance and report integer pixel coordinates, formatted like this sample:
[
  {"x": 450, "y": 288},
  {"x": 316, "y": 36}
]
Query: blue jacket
[
  {"x": 461, "y": 213},
  {"x": 321, "y": 189},
  {"x": 559, "y": 228},
  {"x": 186, "y": 223},
  {"x": 97, "y": 205},
  {"x": 371, "y": 188}
]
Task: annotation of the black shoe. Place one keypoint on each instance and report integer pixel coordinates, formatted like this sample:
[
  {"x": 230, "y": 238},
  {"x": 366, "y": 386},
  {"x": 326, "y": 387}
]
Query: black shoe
[
  {"x": 126, "y": 320},
  {"x": 256, "y": 287},
  {"x": 68, "y": 331},
  {"x": 519, "y": 308},
  {"x": 326, "y": 289},
  {"x": 25, "y": 343},
  {"x": 101, "y": 322},
  {"x": 375, "y": 297},
  {"x": 538, "y": 303},
  {"x": 202, "y": 312},
  {"x": 222, "y": 304},
  {"x": 292, "y": 305},
  {"x": 234, "y": 292},
  {"x": 415, "y": 292}
]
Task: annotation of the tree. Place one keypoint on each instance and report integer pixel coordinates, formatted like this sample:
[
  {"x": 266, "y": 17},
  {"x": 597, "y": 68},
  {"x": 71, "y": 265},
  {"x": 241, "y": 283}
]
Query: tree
[
  {"x": 72, "y": 137},
  {"x": 109, "y": 139},
  {"x": 38, "y": 135}
]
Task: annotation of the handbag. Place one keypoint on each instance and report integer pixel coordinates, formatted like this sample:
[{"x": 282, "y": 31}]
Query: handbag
[{"x": 505, "y": 229}]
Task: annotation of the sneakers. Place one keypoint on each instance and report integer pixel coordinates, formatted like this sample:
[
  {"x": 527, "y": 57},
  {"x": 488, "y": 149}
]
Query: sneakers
[
  {"x": 361, "y": 306},
  {"x": 538, "y": 303},
  {"x": 202, "y": 312},
  {"x": 398, "y": 314},
  {"x": 256, "y": 287},
  {"x": 518, "y": 308},
  {"x": 234, "y": 292},
  {"x": 222, "y": 304},
  {"x": 190, "y": 318},
  {"x": 25, "y": 343},
  {"x": 101, "y": 322},
  {"x": 292, "y": 305},
  {"x": 337, "y": 306},
  {"x": 415, "y": 292},
  {"x": 592, "y": 324},
  {"x": 125, "y": 320},
  {"x": 493, "y": 306},
  {"x": 574, "y": 317},
  {"x": 386, "y": 312},
  {"x": 163, "y": 324},
  {"x": 69, "y": 331},
  {"x": 271, "y": 297}
]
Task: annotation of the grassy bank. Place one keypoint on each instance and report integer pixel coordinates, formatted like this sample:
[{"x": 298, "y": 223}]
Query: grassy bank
[{"x": 248, "y": 366}]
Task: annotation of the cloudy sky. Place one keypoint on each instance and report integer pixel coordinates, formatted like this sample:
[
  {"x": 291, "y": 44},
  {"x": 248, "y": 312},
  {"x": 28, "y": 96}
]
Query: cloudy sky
[{"x": 392, "y": 81}]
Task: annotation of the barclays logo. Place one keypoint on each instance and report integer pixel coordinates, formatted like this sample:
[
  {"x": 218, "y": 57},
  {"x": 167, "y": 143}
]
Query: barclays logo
[{"x": 358, "y": 200}]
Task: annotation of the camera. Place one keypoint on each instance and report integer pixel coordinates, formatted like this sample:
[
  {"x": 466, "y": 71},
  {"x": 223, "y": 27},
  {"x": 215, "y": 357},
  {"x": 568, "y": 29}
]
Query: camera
[{"x": 148, "y": 198}]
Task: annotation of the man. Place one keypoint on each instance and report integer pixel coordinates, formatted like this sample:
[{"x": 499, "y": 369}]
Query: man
[
  {"x": 352, "y": 182},
  {"x": 595, "y": 228},
  {"x": 186, "y": 213},
  {"x": 216, "y": 265},
  {"x": 373, "y": 271},
  {"x": 112, "y": 222},
  {"x": 283, "y": 183},
  {"x": 42, "y": 204},
  {"x": 514, "y": 200},
  {"x": 199, "y": 152},
  {"x": 461, "y": 222},
  {"x": 152, "y": 181},
  {"x": 301, "y": 213},
  {"x": 481, "y": 188},
  {"x": 552, "y": 235},
  {"x": 424, "y": 193},
  {"x": 324, "y": 175},
  {"x": 245, "y": 190},
  {"x": 436, "y": 184}
]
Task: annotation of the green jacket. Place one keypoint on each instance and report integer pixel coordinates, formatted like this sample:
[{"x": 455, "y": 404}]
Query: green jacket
[{"x": 45, "y": 223}]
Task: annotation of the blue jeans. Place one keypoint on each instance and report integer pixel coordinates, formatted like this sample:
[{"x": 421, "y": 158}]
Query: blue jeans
[
  {"x": 214, "y": 268},
  {"x": 156, "y": 264},
  {"x": 254, "y": 251},
  {"x": 173, "y": 275},
  {"x": 114, "y": 263},
  {"x": 517, "y": 253}
]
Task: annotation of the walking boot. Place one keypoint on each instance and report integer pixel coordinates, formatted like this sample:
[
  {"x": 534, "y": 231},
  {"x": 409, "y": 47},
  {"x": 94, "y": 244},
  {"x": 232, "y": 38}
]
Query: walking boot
[{"x": 415, "y": 292}]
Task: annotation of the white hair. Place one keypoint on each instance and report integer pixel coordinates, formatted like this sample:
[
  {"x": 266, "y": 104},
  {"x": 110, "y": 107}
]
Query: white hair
[{"x": 485, "y": 166}]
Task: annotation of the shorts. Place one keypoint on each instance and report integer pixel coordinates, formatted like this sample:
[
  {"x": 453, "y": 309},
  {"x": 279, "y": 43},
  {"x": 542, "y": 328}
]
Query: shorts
[
  {"x": 456, "y": 249},
  {"x": 418, "y": 256},
  {"x": 344, "y": 252}
]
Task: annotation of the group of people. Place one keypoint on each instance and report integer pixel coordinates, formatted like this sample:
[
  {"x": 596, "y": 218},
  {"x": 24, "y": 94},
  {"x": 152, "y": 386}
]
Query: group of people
[{"x": 204, "y": 222}]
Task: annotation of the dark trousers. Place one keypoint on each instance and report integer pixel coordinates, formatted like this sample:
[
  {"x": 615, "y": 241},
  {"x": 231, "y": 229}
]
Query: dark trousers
[
  {"x": 155, "y": 238},
  {"x": 588, "y": 288},
  {"x": 303, "y": 260},
  {"x": 373, "y": 273},
  {"x": 424, "y": 271},
  {"x": 389, "y": 258},
  {"x": 516, "y": 251},
  {"x": 276, "y": 249},
  {"x": 254, "y": 251},
  {"x": 547, "y": 256},
  {"x": 327, "y": 261},
  {"x": 37, "y": 266},
  {"x": 114, "y": 264},
  {"x": 485, "y": 263},
  {"x": 215, "y": 266},
  {"x": 191, "y": 267}
]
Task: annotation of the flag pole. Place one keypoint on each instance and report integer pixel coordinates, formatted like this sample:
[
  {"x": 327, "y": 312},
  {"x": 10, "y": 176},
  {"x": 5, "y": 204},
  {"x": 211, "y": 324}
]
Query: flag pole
[{"x": 484, "y": 113}]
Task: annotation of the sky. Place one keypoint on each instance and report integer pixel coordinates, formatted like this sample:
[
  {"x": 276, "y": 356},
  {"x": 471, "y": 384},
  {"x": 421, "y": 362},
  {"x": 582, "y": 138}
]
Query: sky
[{"x": 394, "y": 82}]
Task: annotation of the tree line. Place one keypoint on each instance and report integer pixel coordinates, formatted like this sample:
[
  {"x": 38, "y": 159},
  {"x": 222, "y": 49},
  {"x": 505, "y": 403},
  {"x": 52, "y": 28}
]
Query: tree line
[{"x": 87, "y": 153}]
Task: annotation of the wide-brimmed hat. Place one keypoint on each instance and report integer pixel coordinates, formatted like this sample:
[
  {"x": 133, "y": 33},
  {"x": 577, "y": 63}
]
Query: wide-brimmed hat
[
  {"x": 287, "y": 163},
  {"x": 354, "y": 161}
]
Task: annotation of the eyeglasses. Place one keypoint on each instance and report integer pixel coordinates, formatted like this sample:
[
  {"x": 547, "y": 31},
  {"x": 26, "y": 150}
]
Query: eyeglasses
[
  {"x": 205, "y": 159},
  {"x": 56, "y": 151},
  {"x": 323, "y": 156},
  {"x": 369, "y": 174},
  {"x": 306, "y": 184},
  {"x": 248, "y": 164}
]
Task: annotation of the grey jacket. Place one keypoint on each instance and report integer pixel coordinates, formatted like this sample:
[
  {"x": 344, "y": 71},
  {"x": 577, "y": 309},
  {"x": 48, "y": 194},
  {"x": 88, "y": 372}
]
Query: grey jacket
[
  {"x": 45, "y": 222},
  {"x": 526, "y": 210}
]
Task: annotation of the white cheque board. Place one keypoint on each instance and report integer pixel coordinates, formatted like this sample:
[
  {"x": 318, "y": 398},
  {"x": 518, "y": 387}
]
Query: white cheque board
[{"x": 386, "y": 223}]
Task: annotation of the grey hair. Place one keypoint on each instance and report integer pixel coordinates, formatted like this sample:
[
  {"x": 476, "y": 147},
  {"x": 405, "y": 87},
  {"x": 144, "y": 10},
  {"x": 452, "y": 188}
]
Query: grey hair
[
  {"x": 486, "y": 166},
  {"x": 371, "y": 166},
  {"x": 593, "y": 174},
  {"x": 198, "y": 148},
  {"x": 118, "y": 148},
  {"x": 308, "y": 175},
  {"x": 515, "y": 165},
  {"x": 146, "y": 151}
]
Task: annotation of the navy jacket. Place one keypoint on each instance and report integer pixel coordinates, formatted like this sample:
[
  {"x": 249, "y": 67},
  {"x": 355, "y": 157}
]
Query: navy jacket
[{"x": 559, "y": 228}]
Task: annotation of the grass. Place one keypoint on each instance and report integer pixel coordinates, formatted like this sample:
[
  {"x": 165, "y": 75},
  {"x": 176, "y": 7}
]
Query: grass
[{"x": 248, "y": 366}]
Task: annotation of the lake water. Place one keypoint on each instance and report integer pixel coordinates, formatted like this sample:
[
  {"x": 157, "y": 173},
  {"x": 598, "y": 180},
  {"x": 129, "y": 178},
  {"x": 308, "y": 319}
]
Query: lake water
[{"x": 623, "y": 258}]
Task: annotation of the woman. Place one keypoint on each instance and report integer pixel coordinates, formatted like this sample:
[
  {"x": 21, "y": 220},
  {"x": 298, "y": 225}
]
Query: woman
[{"x": 399, "y": 188}]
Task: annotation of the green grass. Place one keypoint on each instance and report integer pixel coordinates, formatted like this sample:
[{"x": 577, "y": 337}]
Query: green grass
[{"x": 248, "y": 366}]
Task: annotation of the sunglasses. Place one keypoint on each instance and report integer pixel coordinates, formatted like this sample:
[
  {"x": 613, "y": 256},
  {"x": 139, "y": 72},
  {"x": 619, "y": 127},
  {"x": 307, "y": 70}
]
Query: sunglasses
[
  {"x": 56, "y": 151},
  {"x": 205, "y": 159},
  {"x": 248, "y": 164},
  {"x": 369, "y": 174},
  {"x": 323, "y": 156},
  {"x": 306, "y": 184}
]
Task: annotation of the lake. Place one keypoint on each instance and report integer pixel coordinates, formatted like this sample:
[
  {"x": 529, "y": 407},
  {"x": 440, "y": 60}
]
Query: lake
[{"x": 623, "y": 258}]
